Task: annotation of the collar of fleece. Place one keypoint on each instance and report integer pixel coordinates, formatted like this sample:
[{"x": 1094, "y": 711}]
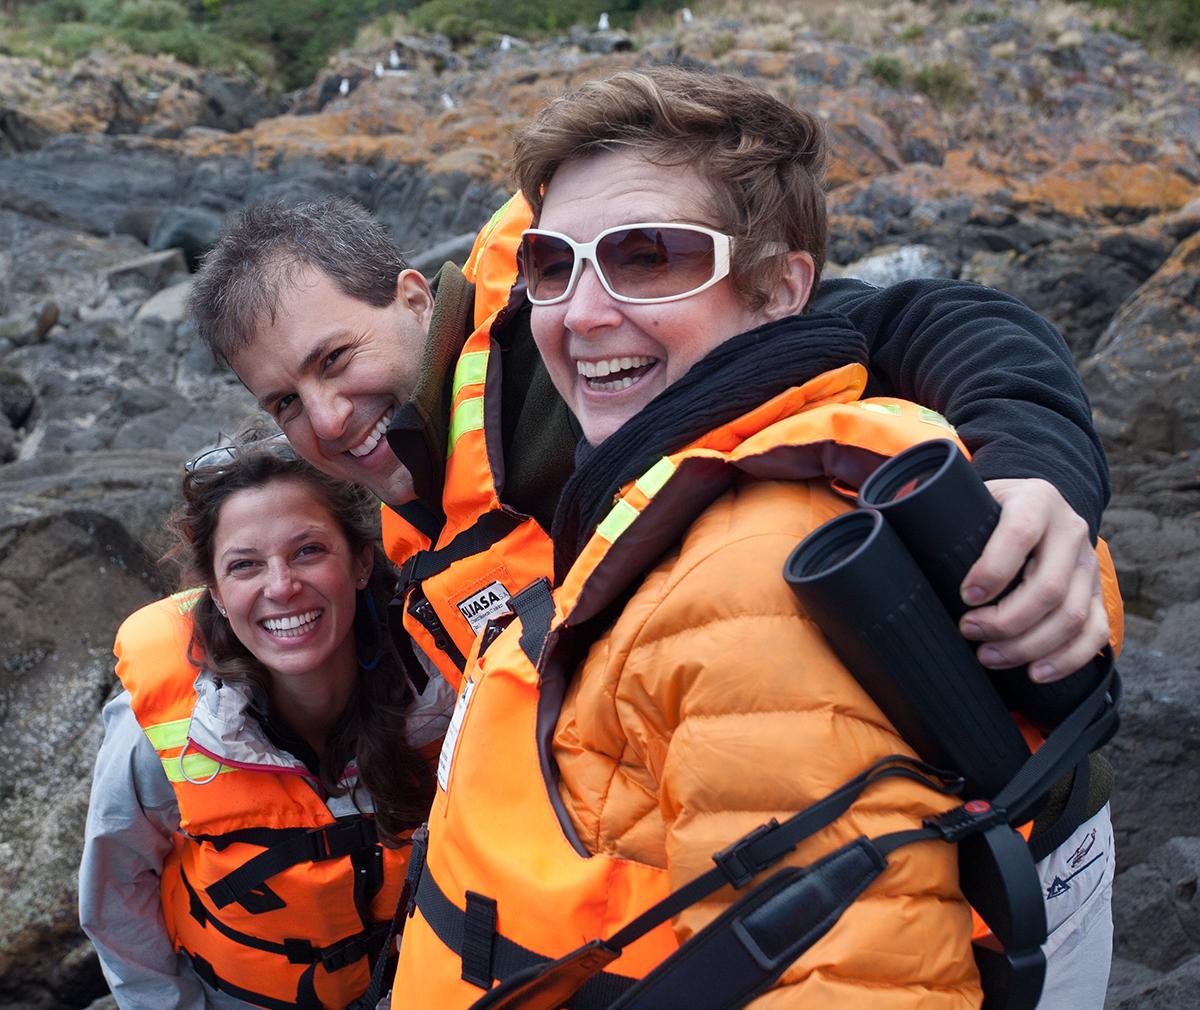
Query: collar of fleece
[{"x": 734, "y": 378}]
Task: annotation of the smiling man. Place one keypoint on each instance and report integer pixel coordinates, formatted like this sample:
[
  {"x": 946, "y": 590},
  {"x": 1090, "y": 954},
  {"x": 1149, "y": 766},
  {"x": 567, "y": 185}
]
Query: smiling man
[{"x": 327, "y": 335}]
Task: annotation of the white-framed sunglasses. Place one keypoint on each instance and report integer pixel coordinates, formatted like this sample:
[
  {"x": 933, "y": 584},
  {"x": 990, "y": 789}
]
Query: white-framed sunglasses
[{"x": 641, "y": 263}]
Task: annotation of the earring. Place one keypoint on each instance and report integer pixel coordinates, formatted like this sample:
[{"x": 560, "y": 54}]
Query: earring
[{"x": 221, "y": 610}]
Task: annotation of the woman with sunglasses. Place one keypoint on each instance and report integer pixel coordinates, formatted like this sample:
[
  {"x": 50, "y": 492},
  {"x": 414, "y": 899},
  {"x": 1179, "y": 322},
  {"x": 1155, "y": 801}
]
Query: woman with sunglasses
[
  {"x": 668, "y": 697},
  {"x": 247, "y": 834}
]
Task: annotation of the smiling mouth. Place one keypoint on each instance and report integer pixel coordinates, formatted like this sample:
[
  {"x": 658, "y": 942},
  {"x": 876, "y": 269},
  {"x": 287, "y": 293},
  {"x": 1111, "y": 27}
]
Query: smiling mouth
[
  {"x": 614, "y": 374},
  {"x": 373, "y": 436},
  {"x": 292, "y": 626}
]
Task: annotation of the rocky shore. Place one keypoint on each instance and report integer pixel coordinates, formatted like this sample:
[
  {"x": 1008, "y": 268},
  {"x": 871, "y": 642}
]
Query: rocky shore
[{"x": 1013, "y": 144}]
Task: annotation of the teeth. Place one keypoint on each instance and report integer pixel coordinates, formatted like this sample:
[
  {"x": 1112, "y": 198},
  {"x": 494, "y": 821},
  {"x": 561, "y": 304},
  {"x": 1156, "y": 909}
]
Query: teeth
[
  {"x": 614, "y": 385},
  {"x": 294, "y": 623},
  {"x": 599, "y": 369},
  {"x": 373, "y": 436}
]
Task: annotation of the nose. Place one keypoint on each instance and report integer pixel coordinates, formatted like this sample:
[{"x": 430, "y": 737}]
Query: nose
[
  {"x": 590, "y": 307},
  {"x": 329, "y": 411},
  {"x": 281, "y": 581}
]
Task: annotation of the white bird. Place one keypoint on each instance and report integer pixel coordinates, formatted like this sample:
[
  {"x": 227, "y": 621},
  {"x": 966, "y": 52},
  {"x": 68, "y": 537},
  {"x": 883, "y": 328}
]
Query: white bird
[
  {"x": 394, "y": 60},
  {"x": 447, "y": 101},
  {"x": 505, "y": 43},
  {"x": 687, "y": 15},
  {"x": 378, "y": 69},
  {"x": 344, "y": 88},
  {"x": 603, "y": 25}
]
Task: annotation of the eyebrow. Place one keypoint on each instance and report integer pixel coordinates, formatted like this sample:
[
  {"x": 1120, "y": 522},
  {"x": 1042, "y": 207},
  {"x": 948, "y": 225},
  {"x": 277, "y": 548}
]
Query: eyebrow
[
  {"x": 306, "y": 364},
  {"x": 304, "y": 534}
]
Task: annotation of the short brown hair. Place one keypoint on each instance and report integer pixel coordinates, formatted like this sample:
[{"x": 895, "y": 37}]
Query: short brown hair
[
  {"x": 260, "y": 251},
  {"x": 764, "y": 160}
]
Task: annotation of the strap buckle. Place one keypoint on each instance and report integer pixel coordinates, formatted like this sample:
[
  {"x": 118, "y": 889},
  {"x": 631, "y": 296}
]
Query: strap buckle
[
  {"x": 737, "y": 862},
  {"x": 968, "y": 819},
  {"x": 342, "y": 838}
]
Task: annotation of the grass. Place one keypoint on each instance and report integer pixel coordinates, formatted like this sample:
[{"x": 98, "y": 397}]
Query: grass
[
  {"x": 945, "y": 82},
  {"x": 887, "y": 69}
]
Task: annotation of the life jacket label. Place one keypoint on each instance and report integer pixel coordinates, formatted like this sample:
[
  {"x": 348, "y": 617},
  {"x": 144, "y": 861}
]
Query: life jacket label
[
  {"x": 446, "y": 757},
  {"x": 484, "y": 604}
]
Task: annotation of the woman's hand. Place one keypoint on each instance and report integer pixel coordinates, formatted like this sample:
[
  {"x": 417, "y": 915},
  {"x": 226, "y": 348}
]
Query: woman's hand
[{"x": 1054, "y": 620}]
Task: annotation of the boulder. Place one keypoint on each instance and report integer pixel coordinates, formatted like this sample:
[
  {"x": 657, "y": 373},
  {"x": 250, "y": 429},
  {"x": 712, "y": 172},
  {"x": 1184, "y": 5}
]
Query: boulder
[
  {"x": 1146, "y": 369},
  {"x": 73, "y": 562}
]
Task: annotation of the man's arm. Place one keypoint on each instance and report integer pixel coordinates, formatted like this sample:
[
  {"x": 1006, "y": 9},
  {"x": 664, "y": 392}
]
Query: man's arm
[{"x": 1004, "y": 378}]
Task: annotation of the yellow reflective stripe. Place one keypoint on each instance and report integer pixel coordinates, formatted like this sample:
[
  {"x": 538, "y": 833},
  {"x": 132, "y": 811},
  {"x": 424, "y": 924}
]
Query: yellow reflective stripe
[
  {"x": 197, "y": 766},
  {"x": 471, "y": 369},
  {"x": 883, "y": 408},
  {"x": 186, "y": 599},
  {"x": 933, "y": 417},
  {"x": 617, "y": 521},
  {"x": 652, "y": 481},
  {"x": 467, "y": 416},
  {"x": 168, "y": 734},
  {"x": 500, "y": 213}
]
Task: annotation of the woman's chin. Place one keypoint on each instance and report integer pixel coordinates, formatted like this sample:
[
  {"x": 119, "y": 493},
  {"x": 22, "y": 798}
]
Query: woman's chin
[{"x": 601, "y": 413}]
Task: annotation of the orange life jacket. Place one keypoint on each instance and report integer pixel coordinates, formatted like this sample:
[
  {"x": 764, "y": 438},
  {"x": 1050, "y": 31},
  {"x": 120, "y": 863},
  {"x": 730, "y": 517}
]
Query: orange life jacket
[
  {"x": 273, "y": 897},
  {"x": 456, "y": 577},
  {"x": 506, "y": 881}
]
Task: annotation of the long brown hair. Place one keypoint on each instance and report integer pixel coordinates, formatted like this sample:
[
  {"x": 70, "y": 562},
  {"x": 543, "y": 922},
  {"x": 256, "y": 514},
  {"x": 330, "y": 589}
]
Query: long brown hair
[{"x": 371, "y": 730}]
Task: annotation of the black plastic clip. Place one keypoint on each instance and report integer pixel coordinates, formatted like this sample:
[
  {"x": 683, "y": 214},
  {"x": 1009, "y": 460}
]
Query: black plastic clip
[
  {"x": 737, "y": 862},
  {"x": 966, "y": 820}
]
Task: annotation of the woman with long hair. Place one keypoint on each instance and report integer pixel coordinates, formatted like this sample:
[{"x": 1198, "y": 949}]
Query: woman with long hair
[{"x": 247, "y": 834}]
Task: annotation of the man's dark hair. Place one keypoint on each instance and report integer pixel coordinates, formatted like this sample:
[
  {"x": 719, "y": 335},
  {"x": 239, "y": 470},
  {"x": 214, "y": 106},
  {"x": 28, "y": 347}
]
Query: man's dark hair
[{"x": 261, "y": 250}]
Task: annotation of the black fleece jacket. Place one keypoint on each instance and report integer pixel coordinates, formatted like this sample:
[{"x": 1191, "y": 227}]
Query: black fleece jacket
[{"x": 996, "y": 370}]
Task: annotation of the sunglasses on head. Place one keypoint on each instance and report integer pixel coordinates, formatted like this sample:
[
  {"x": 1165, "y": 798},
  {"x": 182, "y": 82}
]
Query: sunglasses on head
[
  {"x": 639, "y": 263},
  {"x": 221, "y": 456}
]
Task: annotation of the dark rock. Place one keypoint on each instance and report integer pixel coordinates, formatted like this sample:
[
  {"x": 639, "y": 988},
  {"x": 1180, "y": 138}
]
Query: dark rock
[
  {"x": 234, "y": 103},
  {"x": 1154, "y": 754},
  {"x": 1079, "y": 283},
  {"x": 149, "y": 273},
  {"x": 8, "y": 440},
  {"x": 190, "y": 229},
  {"x": 1146, "y": 369},
  {"x": 1157, "y": 557},
  {"x": 20, "y": 133},
  {"x": 1156, "y": 907},
  {"x": 16, "y": 397},
  {"x": 72, "y": 562},
  {"x": 456, "y": 249},
  {"x": 1175, "y": 990}
]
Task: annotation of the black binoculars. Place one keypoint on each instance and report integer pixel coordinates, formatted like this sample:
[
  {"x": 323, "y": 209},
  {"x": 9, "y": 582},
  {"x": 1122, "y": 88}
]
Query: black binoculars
[{"x": 882, "y": 582}]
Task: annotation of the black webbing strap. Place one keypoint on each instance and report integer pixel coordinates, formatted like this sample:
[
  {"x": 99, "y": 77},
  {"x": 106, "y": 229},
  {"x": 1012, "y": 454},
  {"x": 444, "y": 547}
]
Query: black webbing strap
[
  {"x": 489, "y": 529},
  {"x": 306, "y": 997},
  {"x": 534, "y": 605},
  {"x": 297, "y": 950},
  {"x": 745, "y": 949},
  {"x": 332, "y": 841},
  {"x": 509, "y": 959},
  {"x": 1091, "y": 725},
  {"x": 479, "y": 940},
  {"x": 735, "y": 865},
  {"x": 755, "y": 939}
]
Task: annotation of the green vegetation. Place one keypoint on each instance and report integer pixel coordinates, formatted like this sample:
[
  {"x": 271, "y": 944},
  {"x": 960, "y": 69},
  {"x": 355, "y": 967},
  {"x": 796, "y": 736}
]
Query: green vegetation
[
  {"x": 284, "y": 41},
  {"x": 945, "y": 82},
  {"x": 886, "y": 69},
  {"x": 910, "y": 33},
  {"x": 1174, "y": 22},
  {"x": 470, "y": 24}
]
